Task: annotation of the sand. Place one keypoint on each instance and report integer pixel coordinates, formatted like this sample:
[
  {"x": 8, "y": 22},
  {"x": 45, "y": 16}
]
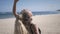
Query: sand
[{"x": 49, "y": 24}]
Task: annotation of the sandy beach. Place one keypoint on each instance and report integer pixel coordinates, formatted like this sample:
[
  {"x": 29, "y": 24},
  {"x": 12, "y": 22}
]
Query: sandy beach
[{"x": 49, "y": 24}]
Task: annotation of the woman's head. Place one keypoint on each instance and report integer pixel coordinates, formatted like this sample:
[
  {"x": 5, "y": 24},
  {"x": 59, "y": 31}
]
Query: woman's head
[{"x": 26, "y": 15}]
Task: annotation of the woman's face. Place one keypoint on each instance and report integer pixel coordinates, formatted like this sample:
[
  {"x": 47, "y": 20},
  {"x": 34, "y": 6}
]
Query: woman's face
[{"x": 27, "y": 17}]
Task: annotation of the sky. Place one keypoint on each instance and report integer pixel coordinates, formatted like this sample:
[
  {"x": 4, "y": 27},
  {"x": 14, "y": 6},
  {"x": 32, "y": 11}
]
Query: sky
[{"x": 33, "y": 5}]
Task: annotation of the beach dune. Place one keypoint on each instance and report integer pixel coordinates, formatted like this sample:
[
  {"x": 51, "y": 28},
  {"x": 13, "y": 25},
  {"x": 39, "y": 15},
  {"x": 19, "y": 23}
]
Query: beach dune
[{"x": 49, "y": 24}]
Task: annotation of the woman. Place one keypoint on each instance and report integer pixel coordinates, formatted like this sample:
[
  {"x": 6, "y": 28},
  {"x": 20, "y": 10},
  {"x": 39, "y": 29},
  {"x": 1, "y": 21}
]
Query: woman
[{"x": 25, "y": 26}]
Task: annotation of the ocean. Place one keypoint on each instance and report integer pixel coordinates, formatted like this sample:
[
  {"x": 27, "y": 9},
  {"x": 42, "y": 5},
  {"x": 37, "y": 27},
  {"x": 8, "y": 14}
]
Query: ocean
[{"x": 10, "y": 14}]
